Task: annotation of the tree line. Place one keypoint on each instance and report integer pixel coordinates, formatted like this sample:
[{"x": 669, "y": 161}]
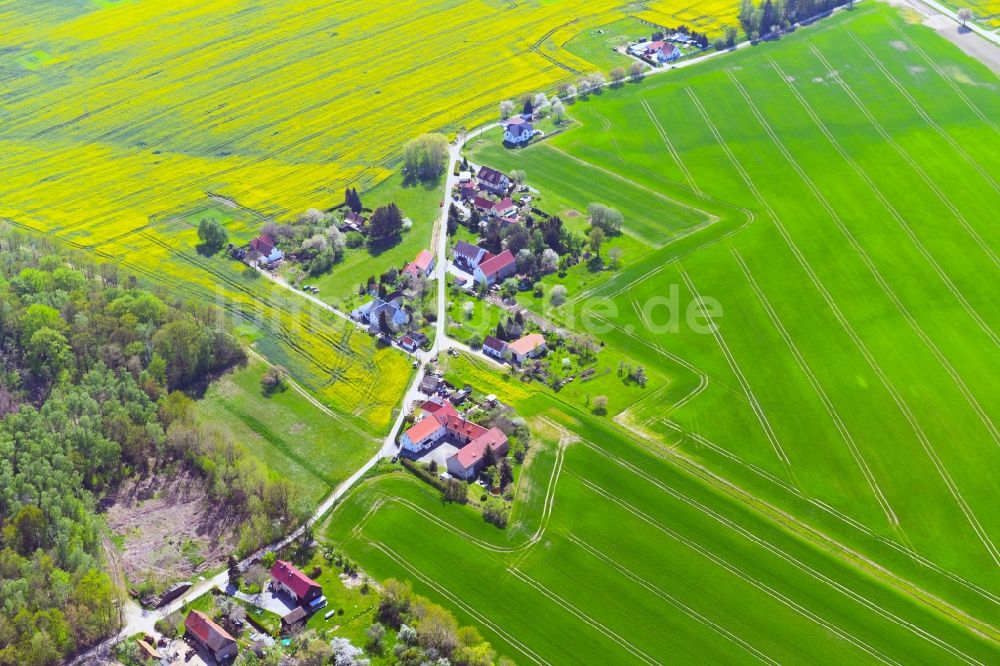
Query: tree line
[
  {"x": 760, "y": 20},
  {"x": 91, "y": 372}
]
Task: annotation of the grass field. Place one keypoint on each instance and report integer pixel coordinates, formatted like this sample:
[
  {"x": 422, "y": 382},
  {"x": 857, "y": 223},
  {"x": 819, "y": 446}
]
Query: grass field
[
  {"x": 289, "y": 435},
  {"x": 815, "y": 477}
]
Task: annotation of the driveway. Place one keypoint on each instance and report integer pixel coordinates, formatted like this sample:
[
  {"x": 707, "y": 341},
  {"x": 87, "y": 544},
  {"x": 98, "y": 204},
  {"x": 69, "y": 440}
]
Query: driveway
[
  {"x": 440, "y": 453},
  {"x": 276, "y": 603}
]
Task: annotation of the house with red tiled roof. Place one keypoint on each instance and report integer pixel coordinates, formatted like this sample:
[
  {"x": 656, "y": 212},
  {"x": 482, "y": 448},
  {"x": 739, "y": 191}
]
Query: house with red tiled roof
[
  {"x": 496, "y": 269},
  {"x": 468, "y": 256},
  {"x": 423, "y": 434},
  {"x": 495, "y": 347},
  {"x": 438, "y": 407},
  {"x": 529, "y": 346},
  {"x": 504, "y": 207},
  {"x": 263, "y": 251},
  {"x": 422, "y": 265},
  {"x": 200, "y": 628},
  {"x": 467, "y": 463},
  {"x": 288, "y": 579}
]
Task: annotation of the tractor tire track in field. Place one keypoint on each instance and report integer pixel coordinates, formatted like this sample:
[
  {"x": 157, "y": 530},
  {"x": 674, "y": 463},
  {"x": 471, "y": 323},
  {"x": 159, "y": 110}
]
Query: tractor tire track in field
[
  {"x": 883, "y": 283},
  {"x": 781, "y": 554},
  {"x": 455, "y": 599},
  {"x": 901, "y": 404},
  {"x": 673, "y": 601},
  {"x": 701, "y": 440},
  {"x": 739, "y": 573},
  {"x": 670, "y": 146},
  {"x": 734, "y": 365},
  {"x": 831, "y": 409},
  {"x": 574, "y": 610},
  {"x": 947, "y": 79},
  {"x": 923, "y": 114}
]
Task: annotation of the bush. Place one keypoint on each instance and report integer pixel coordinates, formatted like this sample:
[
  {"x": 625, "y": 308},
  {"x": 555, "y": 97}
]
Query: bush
[
  {"x": 354, "y": 240},
  {"x": 274, "y": 380},
  {"x": 496, "y": 511},
  {"x": 558, "y": 295}
]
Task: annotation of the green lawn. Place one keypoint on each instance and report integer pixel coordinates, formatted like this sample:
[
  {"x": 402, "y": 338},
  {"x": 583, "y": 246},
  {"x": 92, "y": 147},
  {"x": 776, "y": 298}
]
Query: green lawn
[
  {"x": 813, "y": 478},
  {"x": 419, "y": 203},
  {"x": 288, "y": 434},
  {"x": 596, "y": 45}
]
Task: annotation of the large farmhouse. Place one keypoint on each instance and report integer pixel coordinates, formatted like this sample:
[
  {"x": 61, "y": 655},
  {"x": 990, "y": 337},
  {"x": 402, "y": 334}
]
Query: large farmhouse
[
  {"x": 288, "y": 579},
  {"x": 493, "y": 181},
  {"x": 211, "y": 636},
  {"x": 496, "y": 269},
  {"x": 529, "y": 346},
  {"x": 441, "y": 421}
]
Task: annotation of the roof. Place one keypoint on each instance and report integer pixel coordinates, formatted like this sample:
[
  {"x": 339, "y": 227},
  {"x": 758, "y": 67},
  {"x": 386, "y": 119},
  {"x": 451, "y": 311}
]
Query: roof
[
  {"x": 491, "y": 176},
  {"x": 497, "y": 263},
  {"x": 520, "y": 129},
  {"x": 470, "y": 454},
  {"x": 148, "y": 649},
  {"x": 654, "y": 46},
  {"x": 297, "y": 614},
  {"x": 482, "y": 202},
  {"x": 436, "y": 407},
  {"x": 207, "y": 631},
  {"x": 356, "y": 218},
  {"x": 298, "y": 582},
  {"x": 407, "y": 341},
  {"x": 263, "y": 244},
  {"x": 423, "y": 429},
  {"x": 528, "y": 343},
  {"x": 459, "y": 426},
  {"x": 467, "y": 250},
  {"x": 496, "y": 344},
  {"x": 504, "y": 204},
  {"x": 423, "y": 260}
]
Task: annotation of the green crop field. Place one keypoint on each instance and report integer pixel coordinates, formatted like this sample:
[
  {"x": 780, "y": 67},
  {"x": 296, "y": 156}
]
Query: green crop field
[{"x": 814, "y": 478}]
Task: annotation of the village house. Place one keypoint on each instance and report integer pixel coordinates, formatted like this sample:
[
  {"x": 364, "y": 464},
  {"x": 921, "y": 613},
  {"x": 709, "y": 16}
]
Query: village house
[
  {"x": 529, "y": 346},
  {"x": 468, "y": 256},
  {"x": 504, "y": 207},
  {"x": 412, "y": 340},
  {"x": 353, "y": 222},
  {"x": 493, "y": 181},
  {"x": 263, "y": 251},
  {"x": 495, "y": 347},
  {"x": 483, "y": 204},
  {"x": 371, "y": 312},
  {"x": 148, "y": 654},
  {"x": 465, "y": 176},
  {"x": 468, "y": 191},
  {"x": 294, "y": 620},
  {"x": 441, "y": 421},
  {"x": 286, "y": 578},
  {"x": 211, "y": 636},
  {"x": 518, "y": 133},
  {"x": 422, "y": 265},
  {"x": 496, "y": 269}
]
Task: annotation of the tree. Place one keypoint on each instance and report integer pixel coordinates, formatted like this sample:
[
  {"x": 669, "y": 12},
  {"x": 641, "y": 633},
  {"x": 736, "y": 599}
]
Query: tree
[
  {"x": 516, "y": 237},
  {"x": 609, "y": 220},
  {"x": 965, "y": 15},
  {"x": 454, "y": 491},
  {"x": 618, "y": 75},
  {"x": 506, "y": 473},
  {"x": 550, "y": 260},
  {"x": 506, "y": 109},
  {"x": 212, "y": 235},
  {"x": 234, "y": 572},
  {"x": 615, "y": 254},
  {"x": 636, "y": 70},
  {"x": 730, "y": 33},
  {"x": 601, "y": 405},
  {"x": 518, "y": 176},
  {"x": 529, "y": 109},
  {"x": 557, "y": 296},
  {"x": 376, "y": 636},
  {"x": 596, "y": 239},
  {"x": 424, "y": 157},
  {"x": 352, "y": 200},
  {"x": 386, "y": 222},
  {"x": 48, "y": 353},
  {"x": 508, "y": 289},
  {"x": 558, "y": 111}
]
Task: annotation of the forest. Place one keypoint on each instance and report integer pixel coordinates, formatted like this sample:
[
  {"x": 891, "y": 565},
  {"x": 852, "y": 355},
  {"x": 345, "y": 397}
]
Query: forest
[{"x": 93, "y": 374}]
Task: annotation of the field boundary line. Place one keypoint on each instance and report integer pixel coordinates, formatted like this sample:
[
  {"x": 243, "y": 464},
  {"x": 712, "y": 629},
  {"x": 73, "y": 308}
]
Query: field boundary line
[
  {"x": 781, "y": 554},
  {"x": 859, "y": 343},
  {"x": 455, "y": 599},
  {"x": 739, "y": 573},
  {"x": 574, "y": 610},
  {"x": 673, "y": 601},
  {"x": 744, "y": 382},
  {"x": 831, "y": 409},
  {"x": 669, "y": 145},
  {"x": 923, "y": 113},
  {"x": 869, "y": 262}
]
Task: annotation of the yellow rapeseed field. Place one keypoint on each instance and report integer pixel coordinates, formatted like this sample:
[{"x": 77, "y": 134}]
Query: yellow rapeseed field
[{"x": 118, "y": 116}]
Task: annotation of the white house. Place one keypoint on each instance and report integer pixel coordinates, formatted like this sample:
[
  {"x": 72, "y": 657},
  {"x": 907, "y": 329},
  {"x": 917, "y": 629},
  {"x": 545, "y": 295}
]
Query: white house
[
  {"x": 493, "y": 181},
  {"x": 422, "y": 434},
  {"x": 496, "y": 269},
  {"x": 529, "y": 346},
  {"x": 519, "y": 133}
]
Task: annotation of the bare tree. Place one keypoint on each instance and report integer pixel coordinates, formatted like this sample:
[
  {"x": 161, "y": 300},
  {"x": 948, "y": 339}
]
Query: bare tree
[
  {"x": 506, "y": 109},
  {"x": 617, "y": 76},
  {"x": 965, "y": 14},
  {"x": 635, "y": 70}
]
